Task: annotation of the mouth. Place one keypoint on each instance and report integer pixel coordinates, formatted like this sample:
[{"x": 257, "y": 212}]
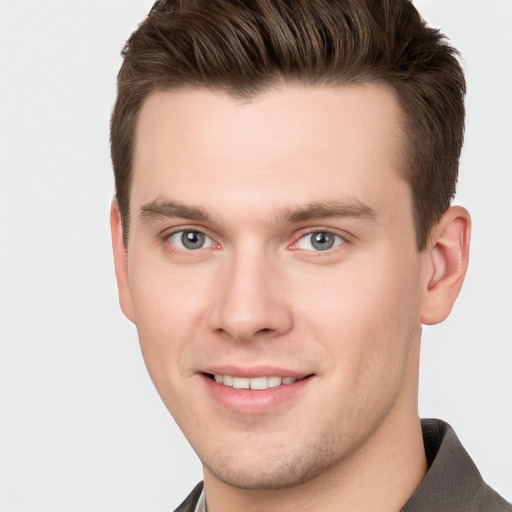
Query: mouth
[
  {"x": 256, "y": 390},
  {"x": 253, "y": 383}
]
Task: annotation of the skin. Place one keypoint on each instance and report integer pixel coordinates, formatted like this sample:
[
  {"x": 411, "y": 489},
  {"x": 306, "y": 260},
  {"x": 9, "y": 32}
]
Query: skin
[{"x": 257, "y": 178}]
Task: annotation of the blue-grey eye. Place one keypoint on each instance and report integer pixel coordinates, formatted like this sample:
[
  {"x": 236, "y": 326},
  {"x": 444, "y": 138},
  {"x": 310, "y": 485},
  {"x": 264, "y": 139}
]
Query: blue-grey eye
[
  {"x": 319, "y": 241},
  {"x": 190, "y": 240}
]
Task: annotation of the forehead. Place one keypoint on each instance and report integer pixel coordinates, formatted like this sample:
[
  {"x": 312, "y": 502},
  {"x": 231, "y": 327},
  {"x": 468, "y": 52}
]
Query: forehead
[{"x": 292, "y": 145}]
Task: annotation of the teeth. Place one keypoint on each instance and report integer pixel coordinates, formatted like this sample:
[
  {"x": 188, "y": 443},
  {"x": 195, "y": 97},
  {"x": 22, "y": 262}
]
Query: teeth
[
  {"x": 241, "y": 383},
  {"x": 254, "y": 383},
  {"x": 259, "y": 383},
  {"x": 274, "y": 382}
]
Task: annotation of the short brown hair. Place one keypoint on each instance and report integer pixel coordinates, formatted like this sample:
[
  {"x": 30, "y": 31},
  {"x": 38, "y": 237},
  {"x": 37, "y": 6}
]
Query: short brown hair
[{"x": 244, "y": 47}]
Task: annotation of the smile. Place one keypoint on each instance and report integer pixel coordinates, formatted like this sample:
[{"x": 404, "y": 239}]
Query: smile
[
  {"x": 257, "y": 383},
  {"x": 255, "y": 390}
]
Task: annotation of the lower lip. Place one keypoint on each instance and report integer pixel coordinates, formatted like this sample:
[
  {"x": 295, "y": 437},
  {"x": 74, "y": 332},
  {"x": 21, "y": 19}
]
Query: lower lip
[{"x": 257, "y": 401}]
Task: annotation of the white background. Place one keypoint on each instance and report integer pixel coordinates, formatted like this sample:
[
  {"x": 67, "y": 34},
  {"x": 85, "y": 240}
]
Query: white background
[{"x": 81, "y": 426}]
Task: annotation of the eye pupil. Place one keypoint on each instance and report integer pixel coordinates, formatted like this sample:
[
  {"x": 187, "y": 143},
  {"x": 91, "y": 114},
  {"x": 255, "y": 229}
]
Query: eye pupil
[
  {"x": 192, "y": 239},
  {"x": 322, "y": 241}
]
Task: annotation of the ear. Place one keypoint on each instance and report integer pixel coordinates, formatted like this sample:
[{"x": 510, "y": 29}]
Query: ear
[
  {"x": 121, "y": 261},
  {"x": 447, "y": 262}
]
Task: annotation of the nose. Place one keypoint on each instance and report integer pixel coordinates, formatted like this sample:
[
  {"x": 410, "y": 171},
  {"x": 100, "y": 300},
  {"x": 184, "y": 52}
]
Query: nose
[{"x": 249, "y": 300}]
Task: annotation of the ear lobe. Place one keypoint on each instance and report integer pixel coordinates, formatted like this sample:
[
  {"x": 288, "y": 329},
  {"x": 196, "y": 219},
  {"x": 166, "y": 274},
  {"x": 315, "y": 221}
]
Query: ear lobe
[
  {"x": 121, "y": 261},
  {"x": 448, "y": 257}
]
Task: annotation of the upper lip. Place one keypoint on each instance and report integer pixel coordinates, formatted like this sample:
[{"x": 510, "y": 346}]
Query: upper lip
[{"x": 255, "y": 371}]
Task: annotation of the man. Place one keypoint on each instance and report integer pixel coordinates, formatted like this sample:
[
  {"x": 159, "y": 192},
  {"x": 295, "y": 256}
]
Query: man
[{"x": 282, "y": 228}]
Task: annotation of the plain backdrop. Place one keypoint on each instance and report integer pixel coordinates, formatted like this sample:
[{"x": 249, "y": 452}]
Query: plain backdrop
[{"x": 81, "y": 427}]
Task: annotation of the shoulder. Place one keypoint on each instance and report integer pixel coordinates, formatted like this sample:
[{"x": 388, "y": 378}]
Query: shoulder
[
  {"x": 190, "y": 502},
  {"x": 453, "y": 482}
]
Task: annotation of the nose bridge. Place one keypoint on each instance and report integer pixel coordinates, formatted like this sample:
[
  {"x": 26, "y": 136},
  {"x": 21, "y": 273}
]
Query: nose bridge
[{"x": 248, "y": 301}]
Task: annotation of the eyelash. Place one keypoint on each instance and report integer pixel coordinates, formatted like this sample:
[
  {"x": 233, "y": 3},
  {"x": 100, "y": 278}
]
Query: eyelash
[{"x": 339, "y": 240}]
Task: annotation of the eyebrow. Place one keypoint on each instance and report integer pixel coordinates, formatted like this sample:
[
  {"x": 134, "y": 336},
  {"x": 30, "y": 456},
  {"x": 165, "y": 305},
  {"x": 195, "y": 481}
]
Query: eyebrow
[
  {"x": 160, "y": 209},
  {"x": 352, "y": 208}
]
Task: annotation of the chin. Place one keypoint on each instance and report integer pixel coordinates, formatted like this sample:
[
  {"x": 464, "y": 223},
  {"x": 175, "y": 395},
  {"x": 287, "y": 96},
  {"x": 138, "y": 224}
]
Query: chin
[{"x": 277, "y": 470}]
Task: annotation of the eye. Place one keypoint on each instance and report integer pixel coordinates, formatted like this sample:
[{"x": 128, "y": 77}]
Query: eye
[
  {"x": 319, "y": 241},
  {"x": 190, "y": 240}
]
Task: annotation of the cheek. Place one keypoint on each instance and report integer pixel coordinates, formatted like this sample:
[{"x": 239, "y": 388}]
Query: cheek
[
  {"x": 366, "y": 322},
  {"x": 364, "y": 315},
  {"x": 166, "y": 298},
  {"x": 168, "y": 309}
]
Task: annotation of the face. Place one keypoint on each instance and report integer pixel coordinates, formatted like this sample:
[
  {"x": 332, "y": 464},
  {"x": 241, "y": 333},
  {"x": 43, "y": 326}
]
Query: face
[{"x": 273, "y": 276}]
